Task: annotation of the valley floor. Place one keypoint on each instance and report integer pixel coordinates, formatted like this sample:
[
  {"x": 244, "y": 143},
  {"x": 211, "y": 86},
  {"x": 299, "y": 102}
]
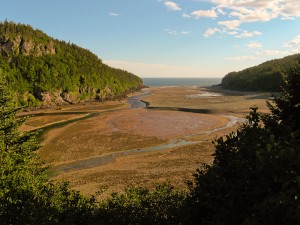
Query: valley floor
[{"x": 108, "y": 146}]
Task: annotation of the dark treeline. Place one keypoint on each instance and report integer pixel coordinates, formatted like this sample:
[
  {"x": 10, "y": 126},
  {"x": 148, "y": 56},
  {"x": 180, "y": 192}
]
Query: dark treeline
[
  {"x": 36, "y": 63},
  {"x": 264, "y": 77}
]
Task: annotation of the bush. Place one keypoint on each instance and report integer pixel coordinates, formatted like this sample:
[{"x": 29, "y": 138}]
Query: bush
[
  {"x": 254, "y": 178},
  {"x": 142, "y": 206}
]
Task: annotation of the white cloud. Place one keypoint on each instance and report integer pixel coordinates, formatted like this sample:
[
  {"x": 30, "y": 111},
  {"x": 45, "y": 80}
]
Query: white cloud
[
  {"x": 295, "y": 43},
  {"x": 288, "y": 18},
  {"x": 172, "y": 6},
  {"x": 204, "y": 13},
  {"x": 250, "y": 15},
  {"x": 243, "y": 58},
  {"x": 171, "y": 32},
  {"x": 290, "y": 8},
  {"x": 272, "y": 52},
  {"x": 230, "y": 24},
  {"x": 232, "y": 32},
  {"x": 211, "y": 31},
  {"x": 185, "y": 32},
  {"x": 114, "y": 14},
  {"x": 248, "y": 11},
  {"x": 174, "y": 32},
  {"x": 185, "y": 15},
  {"x": 279, "y": 53},
  {"x": 221, "y": 11},
  {"x": 246, "y": 34},
  {"x": 254, "y": 44}
]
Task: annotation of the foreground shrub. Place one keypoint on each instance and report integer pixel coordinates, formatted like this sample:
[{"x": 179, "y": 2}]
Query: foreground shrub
[
  {"x": 142, "y": 206},
  {"x": 255, "y": 176},
  {"x": 26, "y": 195}
]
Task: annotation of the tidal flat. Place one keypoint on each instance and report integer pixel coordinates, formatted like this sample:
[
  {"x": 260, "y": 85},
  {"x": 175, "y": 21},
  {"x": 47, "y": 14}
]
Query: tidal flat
[{"x": 108, "y": 146}]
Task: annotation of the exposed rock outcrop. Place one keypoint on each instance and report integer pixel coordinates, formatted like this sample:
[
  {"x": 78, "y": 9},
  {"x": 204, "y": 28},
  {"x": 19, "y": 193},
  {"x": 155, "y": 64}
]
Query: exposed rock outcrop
[
  {"x": 45, "y": 72},
  {"x": 69, "y": 97},
  {"x": 51, "y": 100},
  {"x": 18, "y": 45}
]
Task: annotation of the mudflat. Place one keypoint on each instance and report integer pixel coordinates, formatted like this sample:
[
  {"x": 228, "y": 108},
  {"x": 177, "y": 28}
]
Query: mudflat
[{"x": 108, "y": 146}]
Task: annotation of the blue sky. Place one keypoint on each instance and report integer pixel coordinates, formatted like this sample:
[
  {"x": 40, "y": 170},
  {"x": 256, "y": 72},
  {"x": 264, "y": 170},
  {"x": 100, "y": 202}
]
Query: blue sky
[{"x": 178, "y": 38}]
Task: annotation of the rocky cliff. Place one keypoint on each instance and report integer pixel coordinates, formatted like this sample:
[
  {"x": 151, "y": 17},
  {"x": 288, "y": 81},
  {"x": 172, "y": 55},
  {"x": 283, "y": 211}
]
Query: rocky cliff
[
  {"x": 18, "y": 45},
  {"x": 45, "y": 72}
]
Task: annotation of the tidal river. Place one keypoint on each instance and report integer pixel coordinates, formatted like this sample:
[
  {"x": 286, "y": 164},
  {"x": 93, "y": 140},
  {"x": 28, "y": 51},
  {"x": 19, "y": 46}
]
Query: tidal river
[{"x": 135, "y": 102}]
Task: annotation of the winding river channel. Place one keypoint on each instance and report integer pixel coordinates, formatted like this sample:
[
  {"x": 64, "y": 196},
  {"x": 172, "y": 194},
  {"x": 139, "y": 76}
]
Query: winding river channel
[{"x": 134, "y": 102}]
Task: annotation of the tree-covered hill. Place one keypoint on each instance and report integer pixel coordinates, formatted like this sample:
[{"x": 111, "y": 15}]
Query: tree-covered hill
[
  {"x": 264, "y": 77},
  {"x": 43, "y": 71}
]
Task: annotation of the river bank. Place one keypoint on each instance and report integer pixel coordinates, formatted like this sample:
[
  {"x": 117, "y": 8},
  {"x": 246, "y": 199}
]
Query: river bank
[{"x": 140, "y": 146}]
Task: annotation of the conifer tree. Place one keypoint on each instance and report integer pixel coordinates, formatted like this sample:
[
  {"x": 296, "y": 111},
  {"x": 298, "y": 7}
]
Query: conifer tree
[
  {"x": 254, "y": 178},
  {"x": 26, "y": 194},
  {"x": 287, "y": 107},
  {"x": 20, "y": 169}
]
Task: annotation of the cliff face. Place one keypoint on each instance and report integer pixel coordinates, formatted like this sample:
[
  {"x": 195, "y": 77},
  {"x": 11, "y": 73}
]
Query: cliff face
[
  {"x": 45, "y": 72},
  {"x": 17, "y": 45}
]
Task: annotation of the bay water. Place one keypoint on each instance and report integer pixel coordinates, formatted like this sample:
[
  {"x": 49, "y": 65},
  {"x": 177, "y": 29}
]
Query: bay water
[{"x": 201, "y": 82}]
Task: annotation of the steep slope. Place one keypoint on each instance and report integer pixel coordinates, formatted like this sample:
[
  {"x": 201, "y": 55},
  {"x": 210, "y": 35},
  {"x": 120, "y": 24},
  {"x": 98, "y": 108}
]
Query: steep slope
[
  {"x": 264, "y": 77},
  {"x": 43, "y": 71}
]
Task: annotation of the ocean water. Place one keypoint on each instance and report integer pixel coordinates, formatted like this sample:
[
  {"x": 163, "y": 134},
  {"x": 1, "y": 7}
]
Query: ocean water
[{"x": 201, "y": 82}]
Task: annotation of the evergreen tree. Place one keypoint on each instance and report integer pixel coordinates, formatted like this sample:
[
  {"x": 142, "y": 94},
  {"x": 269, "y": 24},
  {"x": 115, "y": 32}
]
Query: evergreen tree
[
  {"x": 264, "y": 77},
  {"x": 254, "y": 178},
  {"x": 67, "y": 68},
  {"x": 286, "y": 108},
  {"x": 26, "y": 195},
  {"x": 20, "y": 174}
]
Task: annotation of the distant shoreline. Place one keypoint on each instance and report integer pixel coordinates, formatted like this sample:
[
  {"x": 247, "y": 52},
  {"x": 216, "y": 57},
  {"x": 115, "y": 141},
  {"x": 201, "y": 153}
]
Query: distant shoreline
[
  {"x": 179, "y": 82},
  {"x": 220, "y": 89}
]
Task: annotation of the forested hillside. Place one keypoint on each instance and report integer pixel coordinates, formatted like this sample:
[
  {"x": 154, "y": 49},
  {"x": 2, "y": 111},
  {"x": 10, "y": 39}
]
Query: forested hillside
[
  {"x": 264, "y": 77},
  {"x": 43, "y": 71}
]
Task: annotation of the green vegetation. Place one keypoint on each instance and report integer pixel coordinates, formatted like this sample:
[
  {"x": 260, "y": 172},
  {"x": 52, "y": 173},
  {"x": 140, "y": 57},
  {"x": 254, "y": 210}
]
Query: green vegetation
[
  {"x": 141, "y": 206},
  {"x": 255, "y": 175},
  {"x": 37, "y": 65},
  {"x": 264, "y": 77},
  {"x": 26, "y": 196},
  {"x": 254, "y": 179}
]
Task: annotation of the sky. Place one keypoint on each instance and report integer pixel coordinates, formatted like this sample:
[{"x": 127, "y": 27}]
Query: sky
[{"x": 162, "y": 38}]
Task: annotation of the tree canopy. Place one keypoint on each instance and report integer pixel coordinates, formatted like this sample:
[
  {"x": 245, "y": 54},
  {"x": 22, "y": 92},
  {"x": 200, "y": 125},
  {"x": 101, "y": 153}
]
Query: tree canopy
[
  {"x": 26, "y": 194},
  {"x": 264, "y": 77},
  {"x": 254, "y": 178},
  {"x": 36, "y": 63}
]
